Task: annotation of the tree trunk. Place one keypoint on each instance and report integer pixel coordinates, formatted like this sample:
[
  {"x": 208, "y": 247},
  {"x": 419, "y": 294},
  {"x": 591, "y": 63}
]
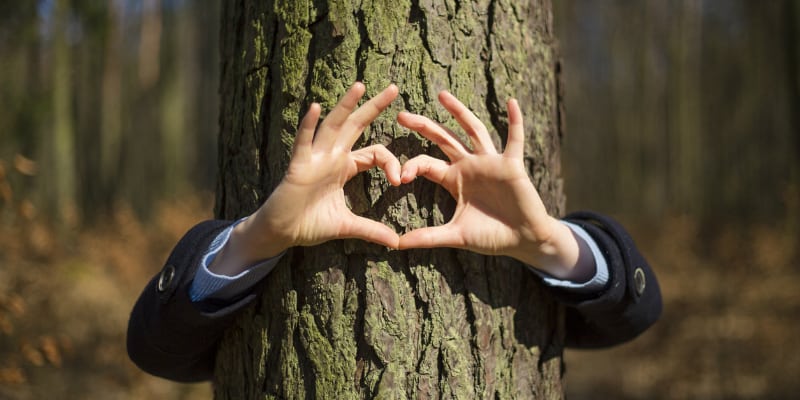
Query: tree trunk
[{"x": 349, "y": 319}]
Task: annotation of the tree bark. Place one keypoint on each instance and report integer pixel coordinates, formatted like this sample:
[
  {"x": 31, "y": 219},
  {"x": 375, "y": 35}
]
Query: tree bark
[{"x": 349, "y": 319}]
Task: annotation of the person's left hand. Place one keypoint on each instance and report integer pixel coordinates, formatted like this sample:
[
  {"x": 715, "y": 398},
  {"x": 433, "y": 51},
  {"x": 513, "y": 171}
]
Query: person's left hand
[
  {"x": 308, "y": 207},
  {"x": 498, "y": 212}
]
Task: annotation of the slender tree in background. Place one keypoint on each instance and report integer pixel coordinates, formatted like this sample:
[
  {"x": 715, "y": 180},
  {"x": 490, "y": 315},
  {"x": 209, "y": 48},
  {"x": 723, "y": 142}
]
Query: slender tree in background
[
  {"x": 349, "y": 319},
  {"x": 61, "y": 155}
]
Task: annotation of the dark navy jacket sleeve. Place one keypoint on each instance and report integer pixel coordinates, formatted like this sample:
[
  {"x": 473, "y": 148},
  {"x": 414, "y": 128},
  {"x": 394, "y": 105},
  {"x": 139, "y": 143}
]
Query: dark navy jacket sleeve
[
  {"x": 168, "y": 335},
  {"x": 628, "y": 304}
]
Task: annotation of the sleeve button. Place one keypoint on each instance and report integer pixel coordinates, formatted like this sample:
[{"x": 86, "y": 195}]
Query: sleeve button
[
  {"x": 164, "y": 281},
  {"x": 639, "y": 280}
]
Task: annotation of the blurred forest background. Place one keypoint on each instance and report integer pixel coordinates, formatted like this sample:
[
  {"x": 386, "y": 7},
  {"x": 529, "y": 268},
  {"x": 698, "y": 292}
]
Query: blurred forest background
[{"x": 682, "y": 121}]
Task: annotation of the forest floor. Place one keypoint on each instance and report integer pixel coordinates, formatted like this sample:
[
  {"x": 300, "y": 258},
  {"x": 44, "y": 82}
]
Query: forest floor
[{"x": 731, "y": 312}]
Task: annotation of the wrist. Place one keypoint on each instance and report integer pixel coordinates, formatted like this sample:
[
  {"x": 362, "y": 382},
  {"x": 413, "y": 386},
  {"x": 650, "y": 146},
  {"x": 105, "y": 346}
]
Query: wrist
[
  {"x": 246, "y": 246},
  {"x": 256, "y": 240},
  {"x": 560, "y": 253}
]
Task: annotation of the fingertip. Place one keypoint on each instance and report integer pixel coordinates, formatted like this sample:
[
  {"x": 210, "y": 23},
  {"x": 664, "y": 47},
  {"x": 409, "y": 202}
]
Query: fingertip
[
  {"x": 390, "y": 93},
  {"x": 388, "y": 238},
  {"x": 358, "y": 89},
  {"x": 406, "y": 177},
  {"x": 394, "y": 176},
  {"x": 409, "y": 172},
  {"x": 405, "y": 119},
  {"x": 395, "y": 243},
  {"x": 310, "y": 119},
  {"x": 402, "y": 244},
  {"x": 514, "y": 112}
]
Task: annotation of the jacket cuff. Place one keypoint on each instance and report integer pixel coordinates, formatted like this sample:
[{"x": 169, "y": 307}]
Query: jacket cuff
[{"x": 631, "y": 300}]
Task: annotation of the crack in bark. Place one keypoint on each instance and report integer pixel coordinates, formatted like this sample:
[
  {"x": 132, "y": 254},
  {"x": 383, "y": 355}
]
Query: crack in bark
[
  {"x": 253, "y": 70},
  {"x": 314, "y": 28},
  {"x": 561, "y": 122},
  {"x": 273, "y": 76},
  {"x": 305, "y": 364},
  {"x": 364, "y": 45},
  {"x": 440, "y": 365},
  {"x": 492, "y": 102},
  {"x": 477, "y": 373},
  {"x": 469, "y": 309},
  {"x": 417, "y": 15},
  {"x": 310, "y": 59},
  {"x": 364, "y": 351}
]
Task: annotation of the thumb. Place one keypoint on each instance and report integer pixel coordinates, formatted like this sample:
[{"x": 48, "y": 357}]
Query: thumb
[
  {"x": 369, "y": 230},
  {"x": 436, "y": 236}
]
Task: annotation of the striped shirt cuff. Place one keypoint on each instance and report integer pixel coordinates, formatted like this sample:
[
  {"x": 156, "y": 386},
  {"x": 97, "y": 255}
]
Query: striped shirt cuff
[
  {"x": 600, "y": 277},
  {"x": 208, "y": 285}
]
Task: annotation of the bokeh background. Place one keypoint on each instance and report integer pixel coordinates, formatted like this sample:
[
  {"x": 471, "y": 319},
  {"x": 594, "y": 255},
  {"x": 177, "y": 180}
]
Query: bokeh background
[{"x": 683, "y": 121}]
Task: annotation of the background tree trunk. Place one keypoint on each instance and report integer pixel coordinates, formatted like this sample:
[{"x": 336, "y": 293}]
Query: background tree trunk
[
  {"x": 349, "y": 319},
  {"x": 60, "y": 153}
]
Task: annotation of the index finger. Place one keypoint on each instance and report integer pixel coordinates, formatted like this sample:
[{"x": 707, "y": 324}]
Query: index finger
[
  {"x": 305, "y": 133},
  {"x": 367, "y": 113},
  {"x": 479, "y": 135},
  {"x": 449, "y": 143},
  {"x": 346, "y": 105},
  {"x": 326, "y": 137},
  {"x": 515, "y": 144}
]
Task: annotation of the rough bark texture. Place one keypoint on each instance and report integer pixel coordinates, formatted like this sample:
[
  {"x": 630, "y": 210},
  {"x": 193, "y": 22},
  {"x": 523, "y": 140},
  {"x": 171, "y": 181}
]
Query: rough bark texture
[{"x": 349, "y": 319}]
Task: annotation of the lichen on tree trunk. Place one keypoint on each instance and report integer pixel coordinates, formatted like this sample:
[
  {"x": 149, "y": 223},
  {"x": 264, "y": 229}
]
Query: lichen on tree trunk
[{"x": 349, "y": 319}]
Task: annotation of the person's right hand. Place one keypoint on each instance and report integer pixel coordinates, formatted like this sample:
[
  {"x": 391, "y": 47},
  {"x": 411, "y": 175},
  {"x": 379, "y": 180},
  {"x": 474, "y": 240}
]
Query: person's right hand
[
  {"x": 308, "y": 207},
  {"x": 498, "y": 210}
]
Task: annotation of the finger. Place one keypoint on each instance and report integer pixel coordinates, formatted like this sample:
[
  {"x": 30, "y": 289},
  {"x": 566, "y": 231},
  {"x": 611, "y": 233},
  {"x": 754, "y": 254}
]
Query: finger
[
  {"x": 479, "y": 135},
  {"x": 437, "y": 236},
  {"x": 346, "y": 105},
  {"x": 378, "y": 155},
  {"x": 368, "y": 112},
  {"x": 449, "y": 144},
  {"x": 515, "y": 144},
  {"x": 305, "y": 133},
  {"x": 339, "y": 114},
  {"x": 371, "y": 231},
  {"x": 424, "y": 165}
]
